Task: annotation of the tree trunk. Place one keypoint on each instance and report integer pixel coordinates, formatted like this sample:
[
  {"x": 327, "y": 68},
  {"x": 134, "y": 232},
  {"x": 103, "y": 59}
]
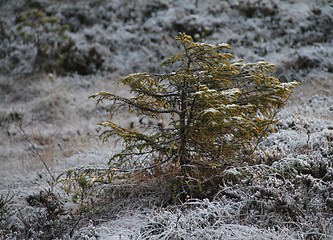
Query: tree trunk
[{"x": 183, "y": 152}]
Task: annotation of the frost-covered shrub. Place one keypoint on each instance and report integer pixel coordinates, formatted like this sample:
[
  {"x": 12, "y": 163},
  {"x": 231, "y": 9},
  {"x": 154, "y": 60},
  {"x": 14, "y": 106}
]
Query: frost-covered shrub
[
  {"x": 261, "y": 204},
  {"x": 14, "y": 55},
  {"x": 291, "y": 166},
  {"x": 82, "y": 60},
  {"x": 251, "y": 8},
  {"x": 43, "y": 41},
  {"x": 89, "y": 232},
  {"x": 223, "y": 219},
  {"x": 42, "y": 219},
  {"x": 45, "y": 33},
  {"x": 5, "y": 214}
]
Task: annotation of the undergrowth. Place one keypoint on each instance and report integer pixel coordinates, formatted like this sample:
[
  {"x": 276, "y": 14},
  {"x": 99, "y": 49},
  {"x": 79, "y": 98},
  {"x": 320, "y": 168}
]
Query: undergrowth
[{"x": 285, "y": 200}]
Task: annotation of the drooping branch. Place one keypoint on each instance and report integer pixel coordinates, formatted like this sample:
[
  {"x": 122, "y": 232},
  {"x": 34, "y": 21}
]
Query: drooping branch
[{"x": 129, "y": 103}]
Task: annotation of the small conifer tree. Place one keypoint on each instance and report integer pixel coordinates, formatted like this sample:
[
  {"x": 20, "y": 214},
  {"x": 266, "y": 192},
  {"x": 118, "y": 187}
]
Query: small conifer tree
[
  {"x": 46, "y": 33},
  {"x": 211, "y": 111}
]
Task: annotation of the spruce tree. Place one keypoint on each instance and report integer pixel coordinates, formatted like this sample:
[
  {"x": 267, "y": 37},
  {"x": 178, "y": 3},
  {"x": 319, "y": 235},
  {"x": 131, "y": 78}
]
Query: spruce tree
[{"x": 210, "y": 112}]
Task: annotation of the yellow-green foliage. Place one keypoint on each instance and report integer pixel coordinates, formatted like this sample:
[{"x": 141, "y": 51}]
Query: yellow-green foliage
[
  {"x": 45, "y": 32},
  {"x": 37, "y": 21},
  {"x": 210, "y": 112},
  {"x": 212, "y": 109}
]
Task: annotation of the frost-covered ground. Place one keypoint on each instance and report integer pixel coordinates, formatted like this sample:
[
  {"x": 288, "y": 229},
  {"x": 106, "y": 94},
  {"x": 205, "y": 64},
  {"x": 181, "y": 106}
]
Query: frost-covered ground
[{"x": 289, "y": 196}]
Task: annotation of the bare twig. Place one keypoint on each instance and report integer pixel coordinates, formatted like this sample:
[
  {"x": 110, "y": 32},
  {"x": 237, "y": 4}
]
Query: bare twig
[
  {"x": 276, "y": 111},
  {"x": 4, "y": 200},
  {"x": 23, "y": 133}
]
